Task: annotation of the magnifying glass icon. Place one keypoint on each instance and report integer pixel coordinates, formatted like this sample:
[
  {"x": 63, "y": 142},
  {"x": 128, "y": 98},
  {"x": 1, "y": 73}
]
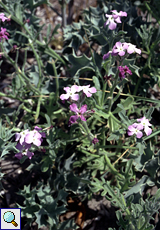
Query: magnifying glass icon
[{"x": 9, "y": 217}]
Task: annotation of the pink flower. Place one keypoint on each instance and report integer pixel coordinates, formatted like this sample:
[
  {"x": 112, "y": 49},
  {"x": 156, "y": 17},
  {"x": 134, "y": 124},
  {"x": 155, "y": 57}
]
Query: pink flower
[
  {"x": 123, "y": 71},
  {"x": 27, "y": 137},
  {"x": 2, "y": 17},
  {"x": 111, "y": 22},
  {"x": 118, "y": 15},
  {"x": 135, "y": 129},
  {"x": 87, "y": 91},
  {"x": 105, "y": 56},
  {"x": 3, "y": 34},
  {"x": 132, "y": 48},
  {"x": 20, "y": 136},
  {"x": 145, "y": 123},
  {"x": 79, "y": 113},
  {"x": 70, "y": 92},
  {"x": 33, "y": 137},
  {"x": 119, "y": 49},
  {"x": 42, "y": 133},
  {"x": 114, "y": 19}
]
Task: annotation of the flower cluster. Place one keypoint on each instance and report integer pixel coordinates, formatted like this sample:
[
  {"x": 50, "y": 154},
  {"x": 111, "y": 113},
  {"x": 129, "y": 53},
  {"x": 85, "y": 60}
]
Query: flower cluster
[
  {"x": 3, "y": 18},
  {"x": 114, "y": 19},
  {"x": 121, "y": 49},
  {"x": 3, "y": 33},
  {"x": 137, "y": 127},
  {"x": 72, "y": 92},
  {"x": 123, "y": 71},
  {"x": 26, "y": 138},
  {"x": 79, "y": 113}
]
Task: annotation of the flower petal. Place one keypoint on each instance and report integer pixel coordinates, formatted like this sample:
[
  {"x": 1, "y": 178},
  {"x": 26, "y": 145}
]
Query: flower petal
[
  {"x": 92, "y": 90},
  {"x": 75, "y": 97},
  {"x": 139, "y": 134},
  {"x": 74, "y": 88},
  {"x": 67, "y": 89},
  {"x": 36, "y": 141},
  {"x": 74, "y": 108},
  {"x": 83, "y": 109},
  {"x": 82, "y": 118},
  {"x": 17, "y": 136},
  {"x": 64, "y": 96},
  {"x": 29, "y": 137},
  {"x": 73, "y": 119},
  {"x": 147, "y": 130},
  {"x": 29, "y": 154},
  {"x": 18, "y": 155},
  {"x": 112, "y": 25}
]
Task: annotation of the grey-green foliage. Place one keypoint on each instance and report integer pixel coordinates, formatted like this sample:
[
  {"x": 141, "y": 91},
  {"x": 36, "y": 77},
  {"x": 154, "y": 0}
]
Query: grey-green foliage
[
  {"x": 5, "y": 144},
  {"x": 41, "y": 205},
  {"x": 138, "y": 212},
  {"x": 83, "y": 32},
  {"x": 141, "y": 212}
]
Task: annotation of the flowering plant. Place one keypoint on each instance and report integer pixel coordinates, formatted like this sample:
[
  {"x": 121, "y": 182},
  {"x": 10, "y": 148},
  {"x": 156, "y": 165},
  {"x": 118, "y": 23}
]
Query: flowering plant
[
  {"x": 136, "y": 127},
  {"x": 26, "y": 138},
  {"x": 114, "y": 19}
]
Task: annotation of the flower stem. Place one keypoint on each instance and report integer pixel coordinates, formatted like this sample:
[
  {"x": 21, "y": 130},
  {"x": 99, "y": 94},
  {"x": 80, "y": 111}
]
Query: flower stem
[
  {"x": 56, "y": 79},
  {"x": 38, "y": 63},
  {"x": 112, "y": 92},
  {"x": 111, "y": 167},
  {"x": 85, "y": 127}
]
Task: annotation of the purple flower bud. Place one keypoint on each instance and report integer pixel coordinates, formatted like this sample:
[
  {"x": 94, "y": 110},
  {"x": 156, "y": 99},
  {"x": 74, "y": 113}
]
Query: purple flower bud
[{"x": 95, "y": 140}]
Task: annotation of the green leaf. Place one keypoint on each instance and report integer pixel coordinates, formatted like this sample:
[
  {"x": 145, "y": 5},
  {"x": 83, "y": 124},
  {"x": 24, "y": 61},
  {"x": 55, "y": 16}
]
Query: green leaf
[
  {"x": 129, "y": 177},
  {"x": 18, "y": 11},
  {"x": 47, "y": 162},
  {"x": 40, "y": 219},
  {"x": 72, "y": 182},
  {"x": 113, "y": 125},
  {"x": 98, "y": 87},
  {"x": 149, "y": 113},
  {"x": 126, "y": 104},
  {"x": 116, "y": 135},
  {"x": 138, "y": 187},
  {"x": 124, "y": 118},
  {"x": 79, "y": 64},
  {"x": 153, "y": 165},
  {"x": 48, "y": 32},
  {"x": 101, "y": 113},
  {"x": 142, "y": 159},
  {"x": 67, "y": 225}
]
